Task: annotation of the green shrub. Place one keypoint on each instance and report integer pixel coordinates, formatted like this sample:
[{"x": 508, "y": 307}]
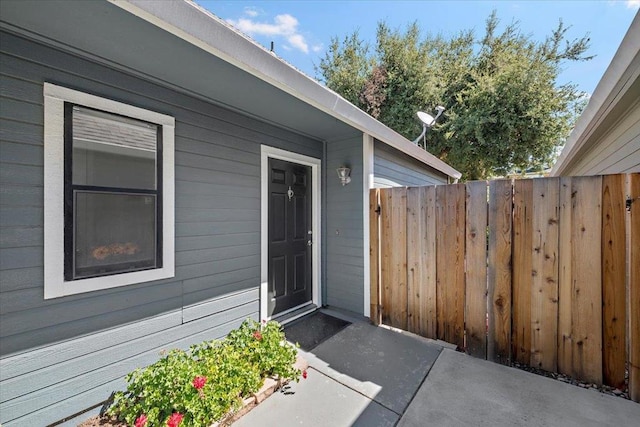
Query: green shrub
[
  {"x": 265, "y": 348},
  {"x": 200, "y": 386}
]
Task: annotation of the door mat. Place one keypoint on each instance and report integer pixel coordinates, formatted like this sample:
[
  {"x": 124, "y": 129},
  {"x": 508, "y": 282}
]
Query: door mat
[{"x": 311, "y": 330}]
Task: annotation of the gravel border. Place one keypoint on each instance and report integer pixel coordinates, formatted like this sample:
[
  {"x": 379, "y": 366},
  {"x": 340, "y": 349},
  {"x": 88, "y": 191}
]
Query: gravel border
[{"x": 605, "y": 389}]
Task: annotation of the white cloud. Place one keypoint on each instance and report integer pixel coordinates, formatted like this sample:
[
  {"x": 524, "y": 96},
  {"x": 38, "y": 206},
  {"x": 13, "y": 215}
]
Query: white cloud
[
  {"x": 283, "y": 25},
  {"x": 317, "y": 48},
  {"x": 633, "y": 4},
  {"x": 298, "y": 42},
  {"x": 251, "y": 11}
]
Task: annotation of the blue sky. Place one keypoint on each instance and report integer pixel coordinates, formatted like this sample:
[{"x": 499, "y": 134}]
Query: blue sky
[{"x": 301, "y": 30}]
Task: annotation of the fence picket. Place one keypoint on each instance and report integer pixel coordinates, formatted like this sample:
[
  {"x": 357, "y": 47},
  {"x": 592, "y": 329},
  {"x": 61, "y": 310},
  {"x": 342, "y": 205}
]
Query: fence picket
[
  {"x": 428, "y": 320},
  {"x": 415, "y": 256},
  {"x": 476, "y": 269},
  {"x": 522, "y": 244},
  {"x": 397, "y": 244},
  {"x": 450, "y": 210},
  {"x": 544, "y": 290},
  {"x": 499, "y": 286},
  {"x": 613, "y": 280},
  {"x": 586, "y": 275},
  {"x": 386, "y": 265},
  {"x": 634, "y": 288},
  {"x": 374, "y": 256},
  {"x": 565, "y": 308}
]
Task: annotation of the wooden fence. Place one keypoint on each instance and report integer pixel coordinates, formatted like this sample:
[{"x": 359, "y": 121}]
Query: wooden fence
[{"x": 545, "y": 272}]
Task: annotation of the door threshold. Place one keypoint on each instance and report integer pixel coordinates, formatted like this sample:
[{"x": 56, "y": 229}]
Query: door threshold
[{"x": 295, "y": 313}]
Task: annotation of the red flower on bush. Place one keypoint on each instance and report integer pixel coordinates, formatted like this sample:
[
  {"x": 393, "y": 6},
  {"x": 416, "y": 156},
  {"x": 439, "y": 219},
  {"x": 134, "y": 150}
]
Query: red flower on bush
[
  {"x": 141, "y": 421},
  {"x": 304, "y": 374},
  {"x": 257, "y": 335},
  {"x": 175, "y": 419},
  {"x": 199, "y": 382}
]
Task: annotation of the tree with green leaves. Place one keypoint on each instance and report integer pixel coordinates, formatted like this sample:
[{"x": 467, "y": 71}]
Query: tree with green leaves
[{"x": 505, "y": 109}]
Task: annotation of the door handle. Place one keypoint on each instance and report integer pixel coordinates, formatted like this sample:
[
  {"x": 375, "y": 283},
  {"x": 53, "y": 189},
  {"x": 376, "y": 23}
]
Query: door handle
[{"x": 309, "y": 243}]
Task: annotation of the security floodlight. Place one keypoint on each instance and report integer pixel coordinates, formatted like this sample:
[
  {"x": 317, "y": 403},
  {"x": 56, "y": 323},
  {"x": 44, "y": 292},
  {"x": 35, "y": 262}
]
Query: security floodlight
[{"x": 427, "y": 122}]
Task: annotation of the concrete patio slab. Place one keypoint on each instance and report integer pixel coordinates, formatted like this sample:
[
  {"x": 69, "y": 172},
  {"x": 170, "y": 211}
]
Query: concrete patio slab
[
  {"x": 362, "y": 376},
  {"x": 318, "y": 401},
  {"x": 461, "y": 390},
  {"x": 386, "y": 366}
]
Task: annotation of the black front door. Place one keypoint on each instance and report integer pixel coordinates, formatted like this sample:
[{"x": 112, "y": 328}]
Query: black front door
[{"x": 290, "y": 237}]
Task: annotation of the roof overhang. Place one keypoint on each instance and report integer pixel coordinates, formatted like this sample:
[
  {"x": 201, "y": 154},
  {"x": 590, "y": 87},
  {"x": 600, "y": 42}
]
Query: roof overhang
[
  {"x": 180, "y": 44},
  {"x": 616, "y": 92}
]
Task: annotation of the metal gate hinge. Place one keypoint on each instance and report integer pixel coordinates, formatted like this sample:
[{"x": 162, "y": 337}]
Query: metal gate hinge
[
  {"x": 378, "y": 210},
  {"x": 629, "y": 201}
]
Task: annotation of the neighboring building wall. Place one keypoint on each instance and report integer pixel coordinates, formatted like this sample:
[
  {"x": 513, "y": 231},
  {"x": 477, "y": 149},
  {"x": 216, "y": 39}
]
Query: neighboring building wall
[
  {"x": 344, "y": 231},
  {"x": 395, "y": 169},
  {"x": 617, "y": 151},
  {"x": 60, "y": 356},
  {"x": 606, "y": 136}
]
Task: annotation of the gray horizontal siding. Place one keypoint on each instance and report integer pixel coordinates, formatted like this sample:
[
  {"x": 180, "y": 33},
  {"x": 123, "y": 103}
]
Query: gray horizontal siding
[
  {"x": 392, "y": 168},
  {"x": 345, "y": 277},
  {"x": 91, "y": 372},
  {"x": 60, "y": 356}
]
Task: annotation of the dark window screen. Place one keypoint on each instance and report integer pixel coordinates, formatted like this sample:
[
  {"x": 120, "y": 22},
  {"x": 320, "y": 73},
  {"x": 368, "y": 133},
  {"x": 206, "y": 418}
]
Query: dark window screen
[{"x": 112, "y": 194}]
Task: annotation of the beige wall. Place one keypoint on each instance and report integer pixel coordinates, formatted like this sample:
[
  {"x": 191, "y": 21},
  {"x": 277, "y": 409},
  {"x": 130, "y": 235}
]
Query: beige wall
[
  {"x": 606, "y": 138},
  {"x": 616, "y": 151}
]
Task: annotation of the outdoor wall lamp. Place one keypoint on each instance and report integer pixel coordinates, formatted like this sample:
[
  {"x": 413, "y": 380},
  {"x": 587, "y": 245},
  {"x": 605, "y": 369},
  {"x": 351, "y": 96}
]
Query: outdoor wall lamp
[{"x": 343, "y": 174}]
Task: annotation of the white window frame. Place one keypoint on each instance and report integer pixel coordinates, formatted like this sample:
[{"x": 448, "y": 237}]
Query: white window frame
[{"x": 54, "y": 283}]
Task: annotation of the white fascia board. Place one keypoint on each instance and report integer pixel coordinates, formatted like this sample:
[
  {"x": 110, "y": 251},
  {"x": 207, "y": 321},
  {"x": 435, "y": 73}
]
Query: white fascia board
[
  {"x": 603, "y": 98},
  {"x": 201, "y": 28}
]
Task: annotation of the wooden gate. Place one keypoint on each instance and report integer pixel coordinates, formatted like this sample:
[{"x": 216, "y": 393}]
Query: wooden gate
[{"x": 545, "y": 272}]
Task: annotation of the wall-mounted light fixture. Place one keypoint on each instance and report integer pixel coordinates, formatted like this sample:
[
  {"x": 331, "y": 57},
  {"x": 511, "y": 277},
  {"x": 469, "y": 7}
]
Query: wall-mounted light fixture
[{"x": 344, "y": 175}]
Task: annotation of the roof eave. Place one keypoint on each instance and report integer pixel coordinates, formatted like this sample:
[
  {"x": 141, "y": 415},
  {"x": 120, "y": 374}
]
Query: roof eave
[
  {"x": 199, "y": 27},
  {"x": 602, "y": 100}
]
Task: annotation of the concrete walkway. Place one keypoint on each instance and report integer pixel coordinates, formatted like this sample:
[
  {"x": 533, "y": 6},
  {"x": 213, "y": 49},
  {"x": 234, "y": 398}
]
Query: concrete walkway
[
  {"x": 369, "y": 376},
  {"x": 462, "y": 390}
]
